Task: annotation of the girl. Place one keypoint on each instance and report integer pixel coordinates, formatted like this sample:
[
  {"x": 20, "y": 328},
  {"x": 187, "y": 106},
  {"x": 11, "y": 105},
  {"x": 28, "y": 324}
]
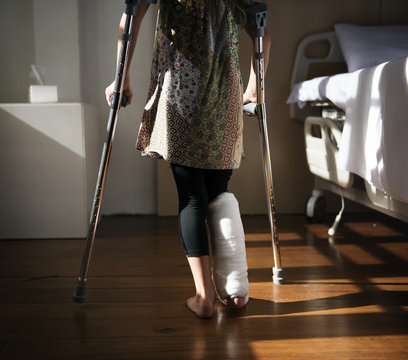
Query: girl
[{"x": 193, "y": 119}]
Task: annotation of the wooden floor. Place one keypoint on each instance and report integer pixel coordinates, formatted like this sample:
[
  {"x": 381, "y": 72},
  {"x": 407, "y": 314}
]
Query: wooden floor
[{"x": 346, "y": 297}]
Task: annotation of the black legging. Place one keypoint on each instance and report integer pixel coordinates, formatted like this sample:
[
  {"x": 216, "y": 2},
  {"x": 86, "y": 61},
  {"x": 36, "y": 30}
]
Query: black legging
[{"x": 196, "y": 188}]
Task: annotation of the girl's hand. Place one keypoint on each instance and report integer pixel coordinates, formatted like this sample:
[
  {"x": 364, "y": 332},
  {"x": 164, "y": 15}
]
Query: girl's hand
[
  {"x": 250, "y": 91},
  {"x": 127, "y": 91},
  {"x": 249, "y": 97}
]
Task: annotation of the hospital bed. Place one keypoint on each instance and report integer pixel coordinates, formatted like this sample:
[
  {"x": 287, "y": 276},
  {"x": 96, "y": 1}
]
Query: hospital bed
[{"x": 355, "y": 122}]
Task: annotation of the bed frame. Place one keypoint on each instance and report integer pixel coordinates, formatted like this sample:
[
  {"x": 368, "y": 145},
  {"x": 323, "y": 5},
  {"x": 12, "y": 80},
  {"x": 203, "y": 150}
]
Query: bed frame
[{"x": 323, "y": 125}]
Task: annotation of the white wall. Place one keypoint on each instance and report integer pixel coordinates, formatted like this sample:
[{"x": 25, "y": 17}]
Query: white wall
[
  {"x": 131, "y": 182},
  {"x": 17, "y": 49},
  {"x": 56, "y": 45},
  {"x": 41, "y": 32},
  {"x": 74, "y": 42}
]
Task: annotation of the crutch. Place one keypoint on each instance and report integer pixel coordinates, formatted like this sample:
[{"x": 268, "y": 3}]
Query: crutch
[
  {"x": 256, "y": 19},
  {"x": 79, "y": 294}
]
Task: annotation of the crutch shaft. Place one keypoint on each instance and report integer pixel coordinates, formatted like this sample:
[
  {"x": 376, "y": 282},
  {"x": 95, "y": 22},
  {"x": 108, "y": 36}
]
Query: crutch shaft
[
  {"x": 257, "y": 19},
  {"x": 266, "y": 157},
  {"x": 269, "y": 187},
  {"x": 267, "y": 169},
  {"x": 79, "y": 293}
]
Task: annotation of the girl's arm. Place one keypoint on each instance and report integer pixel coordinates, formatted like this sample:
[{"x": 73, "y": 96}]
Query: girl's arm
[{"x": 137, "y": 21}]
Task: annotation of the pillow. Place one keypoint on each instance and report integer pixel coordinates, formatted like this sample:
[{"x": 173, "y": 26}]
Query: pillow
[{"x": 366, "y": 46}]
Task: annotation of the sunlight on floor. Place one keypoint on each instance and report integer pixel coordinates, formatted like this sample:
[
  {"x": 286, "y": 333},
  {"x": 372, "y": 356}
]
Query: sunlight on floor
[
  {"x": 371, "y": 309},
  {"x": 324, "y": 347},
  {"x": 267, "y": 236}
]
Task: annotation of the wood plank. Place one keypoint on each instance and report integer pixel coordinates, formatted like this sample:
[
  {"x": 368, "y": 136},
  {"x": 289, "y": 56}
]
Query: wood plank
[{"x": 346, "y": 297}]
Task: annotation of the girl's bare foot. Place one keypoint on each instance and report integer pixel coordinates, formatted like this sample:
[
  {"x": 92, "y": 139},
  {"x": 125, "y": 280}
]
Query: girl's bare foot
[
  {"x": 202, "y": 307},
  {"x": 203, "y": 303}
]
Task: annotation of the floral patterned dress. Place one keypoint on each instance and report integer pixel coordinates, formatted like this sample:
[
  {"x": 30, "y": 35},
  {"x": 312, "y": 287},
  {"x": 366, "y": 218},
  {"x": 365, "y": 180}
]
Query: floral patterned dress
[{"x": 194, "y": 114}]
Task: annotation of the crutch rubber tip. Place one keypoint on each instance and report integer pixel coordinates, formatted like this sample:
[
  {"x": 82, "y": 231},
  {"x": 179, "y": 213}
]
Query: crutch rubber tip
[
  {"x": 79, "y": 295},
  {"x": 278, "y": 276}
]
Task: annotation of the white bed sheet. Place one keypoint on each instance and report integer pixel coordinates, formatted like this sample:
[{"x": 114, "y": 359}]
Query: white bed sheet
[
  {"x": 333, "y": 88},
  {"x": 375, "y": 136}
]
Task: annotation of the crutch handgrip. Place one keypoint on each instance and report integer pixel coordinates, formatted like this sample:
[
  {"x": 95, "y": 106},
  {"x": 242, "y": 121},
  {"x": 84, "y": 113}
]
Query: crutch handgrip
[{"x": 251, "y": 108}]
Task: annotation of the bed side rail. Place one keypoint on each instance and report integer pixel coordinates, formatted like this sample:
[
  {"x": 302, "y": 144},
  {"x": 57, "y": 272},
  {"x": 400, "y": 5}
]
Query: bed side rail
[{"x": 303, "y": 62}]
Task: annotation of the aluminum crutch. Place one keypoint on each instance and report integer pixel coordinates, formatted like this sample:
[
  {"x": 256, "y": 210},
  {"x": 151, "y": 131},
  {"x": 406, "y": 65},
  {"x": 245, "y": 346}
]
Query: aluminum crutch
[
  {"x": 79, "y": 294},
  {"x": 256, "y": 19}
]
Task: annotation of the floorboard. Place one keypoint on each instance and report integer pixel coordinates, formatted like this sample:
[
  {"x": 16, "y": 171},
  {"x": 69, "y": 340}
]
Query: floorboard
[{"x": 346, "y": 296}]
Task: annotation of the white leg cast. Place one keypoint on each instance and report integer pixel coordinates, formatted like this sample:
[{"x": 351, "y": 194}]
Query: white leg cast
[{"x": 230, "y": 270}]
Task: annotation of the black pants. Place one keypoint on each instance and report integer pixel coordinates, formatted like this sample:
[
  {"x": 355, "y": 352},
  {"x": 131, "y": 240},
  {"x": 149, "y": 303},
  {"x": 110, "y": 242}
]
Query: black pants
[{"x": 196, "y": 188}]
